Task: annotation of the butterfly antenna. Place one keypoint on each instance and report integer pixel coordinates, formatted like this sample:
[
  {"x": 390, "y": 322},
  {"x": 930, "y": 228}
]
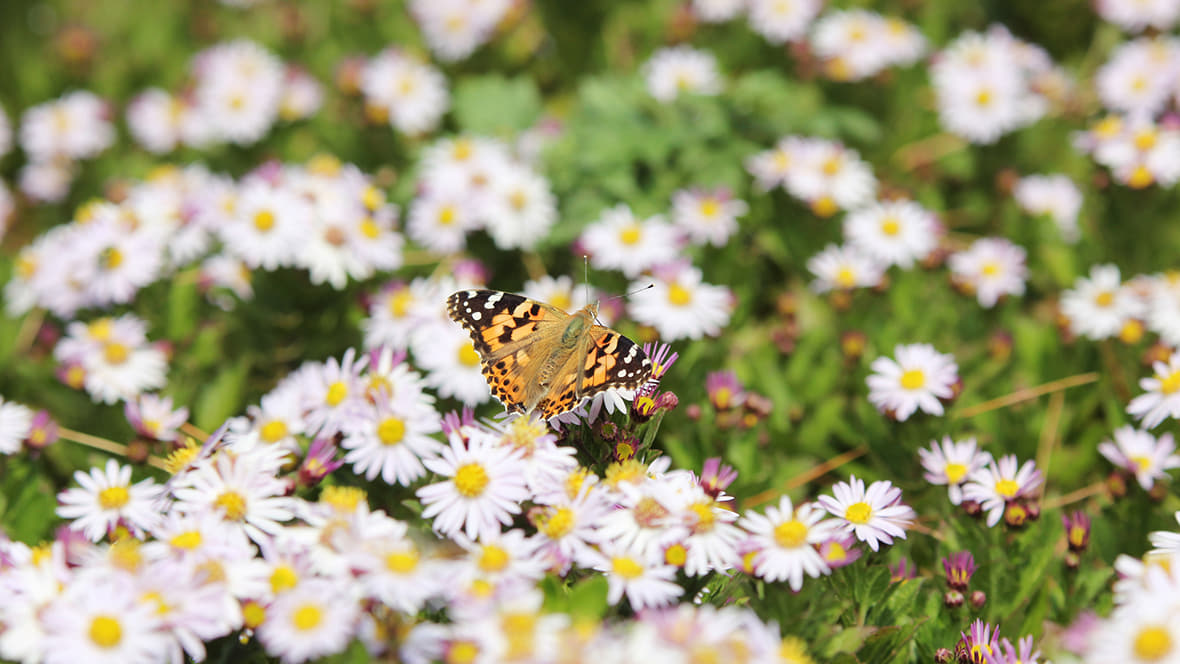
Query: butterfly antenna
[
  {"x": 637, "y": 290},
  {"x": 586, "y": 275}
]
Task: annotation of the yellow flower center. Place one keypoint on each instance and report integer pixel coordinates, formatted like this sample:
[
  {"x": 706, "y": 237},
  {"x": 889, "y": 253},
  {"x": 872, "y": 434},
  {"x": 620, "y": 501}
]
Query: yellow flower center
[
  {"x": 467, "y": 355},
  {"x": 983, "y": 98},
  {"x": 447, "y": 215},
  {"x": 372, "y": 198},
  {"x": 955, "y": 472},
  {"x": 710, "y": 207},
  {"x": 824, "y": 206},
  {"x": 630, "y": 235},
  {"x": 626, "y": 567},
  {"x": 283, "y": 578},
  {"x": 859, "y": 513},
  {"x": 343, "y": 498},
  {"x": 561, "y": 300},
  {"x": 706, "y": 519},
  {"x": 1169, "y": 383},
  {"x": 845, "y": 278},
  {"x": 990, "y": 269},
  {"x": 913, "y": 379},
  {"x": 518, "y": 200},
  {"x": 1140, "y": 177},
  {"x": 836, "y": 552},
  {"x": 188, "y": 541},
  {"x": 832, "y": 165},
  {"x": 890, "y": 226},
  {"x": 337, "y": 392},
  {"x": 253, "y": 614},
  {"x": 115, "y": 352},
  {"x": 790, "y": 534},
  {"x": 391, "y": 431},
  {"x": 110, "y": 258},
  {"x": 113, "y": 498},
  {"x": 26, "y": 266},
  {"x": 370, "y": 229},
  {"x": 273, "y": 431},
  {"x": 462, "y": 652},
  {"x": 399, "y": 304},
  {"x": 105, "y": 631},
  {"x": 402, "y": 562},
  {"x": 307, "y": 617},
  {"x": 558, "y": 524},
  {"x": 493, "y": 558},
  {"x": 1104, "y": 299},
  {"x": 1151, "y": 644},
  {"x": 1141, "y": 463},
  {"x": 1145, "y": 139},
  {"x": 470, "y": 480},
  {"x": 264, "y": 220},
  {"x": 679, "y": 296},
  {"x": 676, "y": 555},
  {"x": 232, "y": 504},
  {"x": 1007, "y": 488}
]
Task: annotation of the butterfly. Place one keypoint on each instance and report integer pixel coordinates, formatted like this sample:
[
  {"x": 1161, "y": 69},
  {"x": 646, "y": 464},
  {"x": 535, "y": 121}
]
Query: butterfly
[{"x": 537, "y": 357}]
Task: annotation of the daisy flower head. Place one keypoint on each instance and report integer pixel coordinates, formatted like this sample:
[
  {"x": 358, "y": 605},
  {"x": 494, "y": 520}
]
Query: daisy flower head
[
  {"x": 781, "y": 21},
  {"x": 412, "y": 96},
  {"x": 115, "y": 357},
  {"x": 301, "y": 95},
  {"x": 1138, "y": 16},
  {"x": 1053, "y": 195},
  {"x": 828, "y": 176},
  {"x": 619, "y": 240},
  {"x": 391, "y": 439},
  {"x": 442, "y": 215},
  {"x": 1098, "y": 306},
  {"x": 452, "y": 366},
  {"x": 47, "y": 181},
  {"x": 1138, "y": 151},
  {"x": 951, "y": 463},
  {"x": 455, "y": 28},
  {"x": 772, "y": 167},
  {"x": 707, "y": 216},
  {"x": 520, "y": 208},
  {"x": 874, "y": 516},
  {"x": 919, "y": 378},
  {"x": 152, "y": 416},
  {"x": 484, "y": 486},
  {"x": 979, "y": 641},
  {"x": 1161, "y": 398},
  {"x": 154, "y": 119},
  {"x": 1145, "y": 628},
  {"x": 1141, "y": 454},
  {"x": 717, "y": 11},
  {"x": 106, "y": 499},
  {"x": 1163, "y": 307},
  {"x": 315, "y": 619},
  {"x": 1000, "y": 483},
  {"x": 102, "y": 620},
  {"x": 856, "y": 44},
  {"x": 1140, "y": 76},
  {"x": 268, "y": 224},
  {"x": 991, "y": 268},
  {"x": 561, "y": 292},
  {"x": 240, "y": 487},
  {"x": 77, "y": 125},
  {"x": 16, "y": 421},
  {"x": 679, "y": 305},
  {"x": 786, "y": 538},
  {"x": 238, "y": 89},
  {"x": 333, "y": 392},
  {"x": 844, "y": 268},
  {"x": 681, "y": 70},
  {"x": 894, "y": 232},
  {"x": 643, "y": 578}
]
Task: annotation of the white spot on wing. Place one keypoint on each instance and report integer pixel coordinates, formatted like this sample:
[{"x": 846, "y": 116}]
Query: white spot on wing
[
  {"x": 491, "y": 303},
  {"x": 475, "y": 315}
]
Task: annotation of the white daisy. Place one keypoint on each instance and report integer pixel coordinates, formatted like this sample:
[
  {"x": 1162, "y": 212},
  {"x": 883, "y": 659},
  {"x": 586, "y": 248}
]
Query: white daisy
[
  {"x": 951, "y": 463},
  {"x": 238, "y": 87},
  {"x": 707, "y": 217},
  {"x": 77, "y": 125},
  {"x": 1053, "y": 195},
  {"x": 1140, "y": 76},
  {"x": 1099, "y": 306},
  {"x": 268, "y": 225},
  {"x": 828, "y": 176},
  {"x": 1001, "y": 482},
  {"x": 786, "y": 539},
  {"x": 153, "y": 117},
  {"x": 645, "y": 580},
  {"x": 106, "y": 499},
  {"x": 412, "y": 94},
  {"x": 484, "y": 487},
  {"x": 442, "y": 215},
  {"x": 681, "y": 69},
  {"x": 894, "y": 232},
  {"x": 391, "y": 440},
  {"x": 844, "y": 268},
  {"x": 15, "y": 423},
  {"x": 679, "y": 305},
  {"x": 102, "y": 620},
  {"x": 920, "y": 378},
  {"x": 241, "y": 487},
  {"x": 717, "y": 11},
  {"x": 780, "y": 21},
  {"x": 315, "y": 619},
  {"x": 618, "y": 240},
  {"x": 520, "y": 208},
  {"x": 1161, "y": 398},
  {"x": 874, "y": 516},
  {"x": 991, "y": 268},
  {"x": 452, "y": 366},
  {"x": 1141, "y": 454},
  {"x": 1136, "y": 16}
]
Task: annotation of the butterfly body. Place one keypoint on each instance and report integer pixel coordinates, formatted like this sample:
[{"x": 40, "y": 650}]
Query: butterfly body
[{"x": 537, "y": 357}]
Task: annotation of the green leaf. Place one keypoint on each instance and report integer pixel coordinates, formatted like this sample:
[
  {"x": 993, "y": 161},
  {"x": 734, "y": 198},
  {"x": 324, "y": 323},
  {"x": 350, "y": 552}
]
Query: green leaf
[
  {"x": 495, "y": 105},
  {"x": 222, "y": 397}
]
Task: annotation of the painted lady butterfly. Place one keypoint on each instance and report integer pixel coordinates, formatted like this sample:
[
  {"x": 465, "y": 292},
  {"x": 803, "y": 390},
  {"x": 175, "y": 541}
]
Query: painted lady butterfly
[{"x": 538, "y": 357}]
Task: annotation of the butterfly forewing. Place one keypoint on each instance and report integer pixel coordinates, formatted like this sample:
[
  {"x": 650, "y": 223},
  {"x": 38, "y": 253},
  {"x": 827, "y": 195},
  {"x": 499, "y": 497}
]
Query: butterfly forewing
[{"x": 527, "y": 363}]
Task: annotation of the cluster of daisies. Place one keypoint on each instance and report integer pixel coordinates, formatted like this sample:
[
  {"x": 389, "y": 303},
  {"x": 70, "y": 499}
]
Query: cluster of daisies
[
  {"x": 400, "y": 90},
  {"x": 1001, "y": 488},
  {"x": 227, "y": 546},
  {"x": 454, "y": 29},
  {"x": 325, "y": 217},
  {"x": 55, "y": 136}
]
